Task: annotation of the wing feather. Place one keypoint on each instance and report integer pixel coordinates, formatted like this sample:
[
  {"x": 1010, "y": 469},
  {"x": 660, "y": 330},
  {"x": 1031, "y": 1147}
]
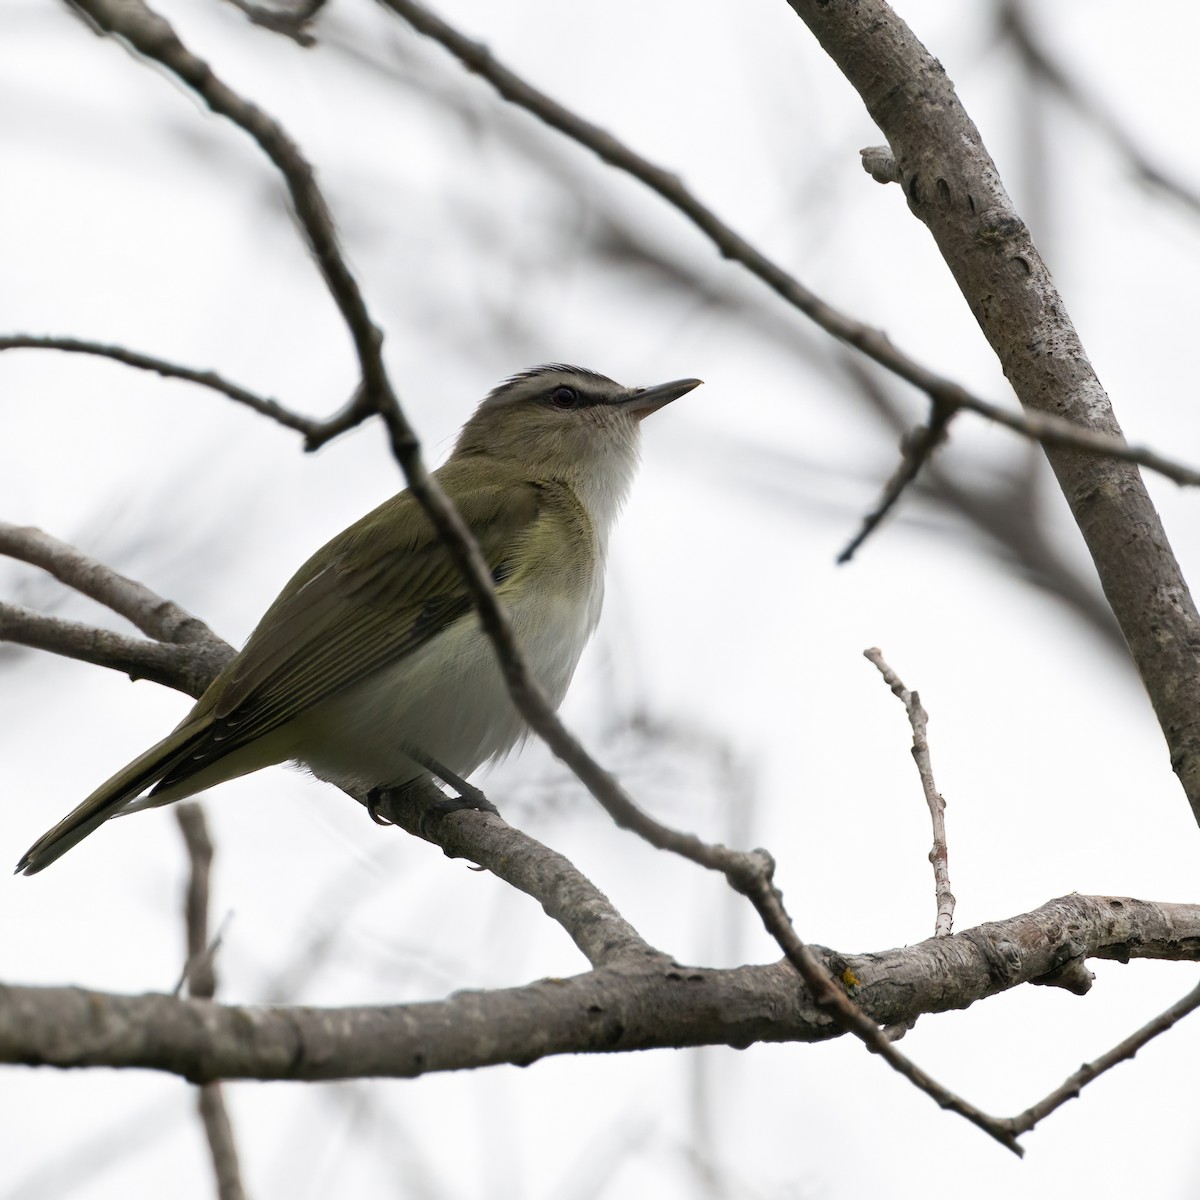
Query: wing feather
[{"x": 348, "y": 612}]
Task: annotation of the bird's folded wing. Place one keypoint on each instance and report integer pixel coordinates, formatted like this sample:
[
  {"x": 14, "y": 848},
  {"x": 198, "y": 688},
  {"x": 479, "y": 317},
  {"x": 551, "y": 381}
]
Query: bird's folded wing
[{"x": 387, "y": 586}]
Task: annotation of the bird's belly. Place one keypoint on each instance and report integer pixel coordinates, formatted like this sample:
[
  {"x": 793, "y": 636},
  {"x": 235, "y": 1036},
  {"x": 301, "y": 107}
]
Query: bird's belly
[{"x": 447, "y": 701}]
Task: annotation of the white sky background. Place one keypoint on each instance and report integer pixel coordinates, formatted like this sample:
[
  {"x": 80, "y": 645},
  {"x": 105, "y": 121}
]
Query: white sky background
[{"x": 128, "y": 214}]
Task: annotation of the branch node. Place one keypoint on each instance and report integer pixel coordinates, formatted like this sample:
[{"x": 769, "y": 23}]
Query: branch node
[{"x": 880, "y": 163}]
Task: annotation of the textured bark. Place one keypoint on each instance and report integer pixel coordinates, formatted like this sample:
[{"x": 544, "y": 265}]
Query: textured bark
[
  {"x": 639, "y": 1004},
  {"x": 952, "y": 186}
]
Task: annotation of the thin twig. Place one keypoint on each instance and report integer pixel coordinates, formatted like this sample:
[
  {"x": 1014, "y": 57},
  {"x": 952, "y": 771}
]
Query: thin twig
[
  {"x": 827, "y": 993},
  {"x": 290, "y": 22},
  {"x": 222, "y": 1145},
  {"x": 201, "y": 978},
  {"x": 915, "y": 451},
  {"x": 1006, "y": 508},
  {"x": 939, "y": 855},
  {"x": 874, "y": 343},
  {"x": 169, "y": 370},
  {"x": 151, "y": 35},
  {"x": 1122, "y": 1051},
  {"x": 199, "y": 972}
]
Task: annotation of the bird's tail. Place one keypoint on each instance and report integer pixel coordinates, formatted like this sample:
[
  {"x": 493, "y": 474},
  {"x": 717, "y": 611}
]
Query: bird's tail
[{"x": 112, "y": 797}]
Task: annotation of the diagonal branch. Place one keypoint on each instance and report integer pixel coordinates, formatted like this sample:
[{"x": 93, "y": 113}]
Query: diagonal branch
[
  {"x": 152, "y": 36},
  {"x": 952, "y": 185},
  {"x": 1121, "y": 1052},
  {"x": 946, "y": 395},
  {"x": 916, "y": 448}
]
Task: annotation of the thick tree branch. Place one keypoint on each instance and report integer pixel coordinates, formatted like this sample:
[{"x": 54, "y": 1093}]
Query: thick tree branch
[
  {"x": 635, "y": 1006},
  {"x": 952, "y": 185},
  {"x": 566, "y": 895}
]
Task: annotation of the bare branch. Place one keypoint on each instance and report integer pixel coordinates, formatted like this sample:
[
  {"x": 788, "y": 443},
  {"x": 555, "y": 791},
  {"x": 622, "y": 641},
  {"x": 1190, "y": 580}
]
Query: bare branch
[
  {"x": 915, "y": 450},
  {"x": 586, "y": 914},
  {"x": 154, "y": 616},
  {"x": 874, "y": 343},
  {"x": 566, "y": 895},
  {"x": 939, "y": 856},
  {"x": 952, "y": 185},
  {"x": 169, "y": 370},
  {"x": 185, "y": 654},
  {"x": 199, "y": 972},
  {"x": 221, "y": 1144},
  {"x": 200, "y": 975},
  {"x": 1122, "y": 1051},
  {"x": 188, "y": 668},
  {"x": 640, "y": 1004},
  {"x": 291, "y": 22},
  {"x": 152, "y": 36}
]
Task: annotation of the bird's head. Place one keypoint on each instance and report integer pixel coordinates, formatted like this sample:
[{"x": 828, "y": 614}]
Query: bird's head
[{"x": 569, "y": 424}]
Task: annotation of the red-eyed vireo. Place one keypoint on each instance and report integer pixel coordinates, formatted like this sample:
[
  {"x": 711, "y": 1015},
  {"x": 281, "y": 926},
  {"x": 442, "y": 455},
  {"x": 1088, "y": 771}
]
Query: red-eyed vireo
[{"x": 371, "y": 668}]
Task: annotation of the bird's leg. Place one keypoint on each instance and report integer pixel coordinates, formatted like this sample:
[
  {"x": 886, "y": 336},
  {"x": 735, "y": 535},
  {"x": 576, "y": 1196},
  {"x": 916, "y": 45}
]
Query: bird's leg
[{"x": 468, "y": 795}]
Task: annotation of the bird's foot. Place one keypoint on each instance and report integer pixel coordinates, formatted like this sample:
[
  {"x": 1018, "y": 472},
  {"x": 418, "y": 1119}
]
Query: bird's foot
[
  {"x": 375, "y": 797},
  {"x": 423, "y": 793},
  {"x": 468, "y": 797}
]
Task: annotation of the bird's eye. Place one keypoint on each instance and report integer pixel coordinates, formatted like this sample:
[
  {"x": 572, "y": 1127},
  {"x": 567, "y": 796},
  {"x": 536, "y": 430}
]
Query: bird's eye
[{"x": 564, "y": 397}]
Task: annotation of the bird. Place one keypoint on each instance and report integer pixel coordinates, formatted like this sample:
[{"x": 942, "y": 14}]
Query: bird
[{"x": 371, "y": 668}]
